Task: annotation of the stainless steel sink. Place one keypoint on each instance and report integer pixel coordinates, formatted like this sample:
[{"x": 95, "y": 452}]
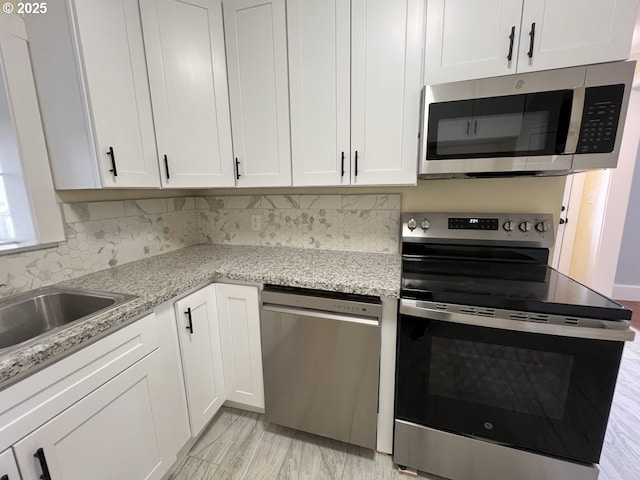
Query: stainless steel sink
[{"x": 30, "y": 315}]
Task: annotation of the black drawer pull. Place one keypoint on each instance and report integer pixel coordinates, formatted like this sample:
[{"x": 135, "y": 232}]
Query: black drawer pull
[
  {"x": 237, "y": 169},
  {"x": 190, "y": 326},
  {"x": 43, "y": 464},
  {"x": 166, "y": 166},
  {"x": 113, "y": 170},
  {"x": 532, "y": 35},
  {"x": 342, "y": 166},
  {"x": 511, "y": 37}
]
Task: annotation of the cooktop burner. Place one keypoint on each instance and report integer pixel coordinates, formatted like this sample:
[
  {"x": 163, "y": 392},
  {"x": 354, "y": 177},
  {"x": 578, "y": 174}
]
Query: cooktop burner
[{"x": 494, "y": 268}]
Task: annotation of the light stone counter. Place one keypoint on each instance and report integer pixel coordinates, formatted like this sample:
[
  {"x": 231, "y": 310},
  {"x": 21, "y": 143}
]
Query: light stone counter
[{"x": 158, "y": 279}]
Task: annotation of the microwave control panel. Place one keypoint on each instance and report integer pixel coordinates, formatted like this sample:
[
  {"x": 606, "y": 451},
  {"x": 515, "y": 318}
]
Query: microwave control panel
[{"x": 600, "y": 118}]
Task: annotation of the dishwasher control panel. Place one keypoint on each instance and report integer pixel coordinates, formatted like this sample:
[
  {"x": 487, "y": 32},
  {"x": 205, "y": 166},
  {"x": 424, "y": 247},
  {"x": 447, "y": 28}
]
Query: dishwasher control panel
[{"x": 318, "y": 300}]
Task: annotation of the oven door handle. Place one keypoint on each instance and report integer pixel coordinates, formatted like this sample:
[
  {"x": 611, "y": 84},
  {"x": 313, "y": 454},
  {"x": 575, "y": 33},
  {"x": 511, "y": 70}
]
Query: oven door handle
[{"x": 416, "y": 308}]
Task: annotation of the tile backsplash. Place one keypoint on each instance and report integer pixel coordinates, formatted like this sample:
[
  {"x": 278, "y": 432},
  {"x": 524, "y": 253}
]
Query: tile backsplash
[
  {"x": 101, "y": 235},
  {"x": 332, "y": 222},
  {"x": 104, "y": 234}
]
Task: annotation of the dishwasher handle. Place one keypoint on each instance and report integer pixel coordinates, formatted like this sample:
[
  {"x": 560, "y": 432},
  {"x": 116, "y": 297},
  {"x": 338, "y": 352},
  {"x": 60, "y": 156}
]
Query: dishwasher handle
[{"x": 374, "y": 322}]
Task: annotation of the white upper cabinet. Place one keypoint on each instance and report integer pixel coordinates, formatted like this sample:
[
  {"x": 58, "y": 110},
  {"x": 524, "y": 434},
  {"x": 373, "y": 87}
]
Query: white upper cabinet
[
  {"x": 575, "y": 32},
  {"x": 386, "y": 81},
  {"x": 256, "y": 44},
  {"x": 355, "y": 80},
  {"x": 90, "y": 70},
  {"x": 469, "y": 39},
  {"x": 184, "y": 42},
  {"x": 319, "y": 81}
]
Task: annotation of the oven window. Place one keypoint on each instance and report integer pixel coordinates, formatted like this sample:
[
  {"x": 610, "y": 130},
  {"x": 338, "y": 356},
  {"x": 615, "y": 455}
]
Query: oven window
[
  {"x": 514, "y": 125},
  {"x": 532, "y": 382}
]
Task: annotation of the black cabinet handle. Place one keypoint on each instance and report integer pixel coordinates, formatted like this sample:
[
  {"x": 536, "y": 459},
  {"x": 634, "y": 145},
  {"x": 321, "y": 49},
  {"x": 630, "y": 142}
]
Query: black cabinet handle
[
  {"x": 563, "y": 221},
  {"x": 113, "y": 170},
  {"x": 511, "y": 37},
  {"x": 166, "y": 166},
  {"x": 342, "y": 166},
  {"x": 356, "y": 163},
  {"x": 237, "y": 169},
  {"x": 190, "y": 326},
  {"x": 532, "y": 35},
  {"x": 43, "y": 464},
  {"x": 4, "y": 477}
]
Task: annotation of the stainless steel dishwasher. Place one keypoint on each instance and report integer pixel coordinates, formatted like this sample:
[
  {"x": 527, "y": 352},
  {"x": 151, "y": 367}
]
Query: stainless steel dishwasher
[{"x": 321, "y": 359}]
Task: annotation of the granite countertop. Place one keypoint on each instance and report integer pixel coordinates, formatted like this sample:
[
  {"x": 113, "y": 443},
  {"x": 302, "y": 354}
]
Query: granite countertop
[{"x": 157, "y": 279}]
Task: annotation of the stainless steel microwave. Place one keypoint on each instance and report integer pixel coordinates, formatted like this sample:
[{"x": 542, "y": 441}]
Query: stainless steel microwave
[{"x": 543, "y": 123}]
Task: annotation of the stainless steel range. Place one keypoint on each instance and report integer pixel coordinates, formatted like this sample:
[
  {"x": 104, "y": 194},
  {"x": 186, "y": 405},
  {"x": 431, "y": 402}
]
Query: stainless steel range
[{"x": 506, "y": 368}]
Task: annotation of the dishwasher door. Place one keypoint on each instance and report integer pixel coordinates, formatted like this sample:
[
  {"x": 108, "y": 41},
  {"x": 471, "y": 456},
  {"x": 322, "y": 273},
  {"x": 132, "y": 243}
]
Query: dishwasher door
[{"x": 321, "y": 372}]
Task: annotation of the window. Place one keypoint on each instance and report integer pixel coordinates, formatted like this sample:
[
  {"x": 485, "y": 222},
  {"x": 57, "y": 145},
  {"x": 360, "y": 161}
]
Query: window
[{"x": 29, "y": 213}]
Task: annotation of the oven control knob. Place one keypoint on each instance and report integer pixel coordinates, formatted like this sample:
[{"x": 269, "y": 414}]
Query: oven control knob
[
  {"x": 412, "y": 224},
  {"x": 425, "y": 224},
  {"x": 525, "y": 226},
  {"x": 543, "y": 226},
  {"x": 509, "y": 226}
]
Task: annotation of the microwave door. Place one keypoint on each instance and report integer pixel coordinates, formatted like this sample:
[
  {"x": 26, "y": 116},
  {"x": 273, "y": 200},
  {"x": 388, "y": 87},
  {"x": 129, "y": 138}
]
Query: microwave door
[{"x": 498, "y": 134}]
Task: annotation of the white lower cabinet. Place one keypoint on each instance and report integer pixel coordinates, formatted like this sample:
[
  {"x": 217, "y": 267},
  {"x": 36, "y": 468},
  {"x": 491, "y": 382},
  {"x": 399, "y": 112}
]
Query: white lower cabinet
[
  {"x": 197, "y": 322},
  {"x": 109, "y": 434},
  {"x": 8, "y": 467},
  {"x": 239, "y": 316},
  {"x": 125, "y": 406},
  {"x": 174, "y": 428}
]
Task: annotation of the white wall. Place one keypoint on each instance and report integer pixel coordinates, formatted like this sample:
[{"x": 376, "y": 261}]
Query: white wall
[
  {"x": 627, "y": 275},
  {"x": 627, "y": 279}
]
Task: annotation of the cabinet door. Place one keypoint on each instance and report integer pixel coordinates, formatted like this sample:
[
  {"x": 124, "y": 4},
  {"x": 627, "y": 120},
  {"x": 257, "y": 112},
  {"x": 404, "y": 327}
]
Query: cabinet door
[
  {"x": 471, "y": 39},
  {"x": 184, "y": 42},
  {"x": 110, "y": 37},
  {"x": 256, "y": 42},
  {"x": 197, "y": 321},
  {"x": 8, "y": 467},
  {"x": 241, "y": 348},
  {"x": 386, "y": 64},
  {"x": 108, "y": 434},
  {"x": 319, "y": 82},
  {"x": 172, "y": 424},
  {"x": 575, "y": 32}
]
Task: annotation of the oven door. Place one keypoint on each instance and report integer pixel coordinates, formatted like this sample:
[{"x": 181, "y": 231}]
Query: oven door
[{"x": 543, "y": 393}]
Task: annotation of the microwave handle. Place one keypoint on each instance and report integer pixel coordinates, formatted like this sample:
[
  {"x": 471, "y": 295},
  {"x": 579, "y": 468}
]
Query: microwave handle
[{"x": 575, "y": 121}]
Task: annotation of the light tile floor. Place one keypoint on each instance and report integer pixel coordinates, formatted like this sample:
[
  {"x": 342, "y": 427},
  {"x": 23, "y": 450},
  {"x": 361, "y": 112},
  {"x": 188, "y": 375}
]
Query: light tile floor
[
  {"x": 620, "y": 458},
  {"x": 240, "y": 445}
]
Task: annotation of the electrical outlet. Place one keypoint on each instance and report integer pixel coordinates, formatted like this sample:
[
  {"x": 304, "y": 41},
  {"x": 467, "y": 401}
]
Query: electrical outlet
[{"x": 256, "y": 223}]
